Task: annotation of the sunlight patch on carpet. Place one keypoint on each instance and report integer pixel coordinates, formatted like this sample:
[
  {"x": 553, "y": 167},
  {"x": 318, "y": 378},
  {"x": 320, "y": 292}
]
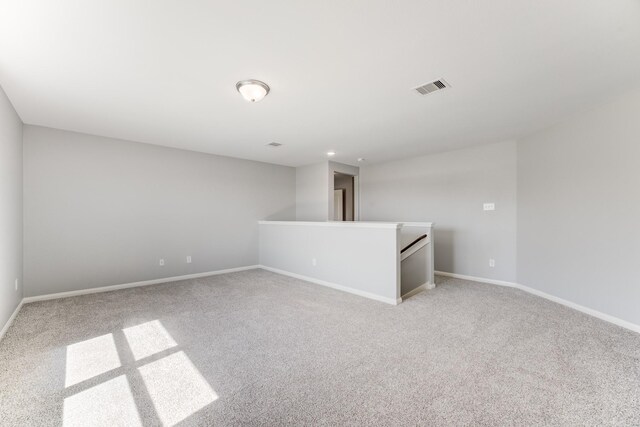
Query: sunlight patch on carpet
[
  {"x": 90, "y": 358},
  {"x": 176, "y": 387},
  {"x": 107, "y": 404},
  {"x": 148, "y": 338}
]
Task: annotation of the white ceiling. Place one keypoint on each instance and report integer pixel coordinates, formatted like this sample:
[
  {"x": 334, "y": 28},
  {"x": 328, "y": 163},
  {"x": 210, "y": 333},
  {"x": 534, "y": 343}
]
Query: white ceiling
[{"x": 341, "y": 72}]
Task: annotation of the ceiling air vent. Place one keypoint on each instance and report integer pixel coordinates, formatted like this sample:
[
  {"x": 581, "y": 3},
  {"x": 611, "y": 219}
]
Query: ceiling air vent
[
  {"x": 427, "y": 88},
  {"x": 274, "y": 144}
]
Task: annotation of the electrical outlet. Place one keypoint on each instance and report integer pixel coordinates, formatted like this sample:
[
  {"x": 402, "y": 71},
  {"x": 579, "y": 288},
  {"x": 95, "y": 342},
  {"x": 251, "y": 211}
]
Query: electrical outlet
[
  {"x": 16, "y": 284},
  {"x": 489, "y": 207},
  {"x": 314, "y": 262},
  {"x": 492, "y": 262},
  {"x": 161, "y": 262},
  {"x": 188, "y": 259}
]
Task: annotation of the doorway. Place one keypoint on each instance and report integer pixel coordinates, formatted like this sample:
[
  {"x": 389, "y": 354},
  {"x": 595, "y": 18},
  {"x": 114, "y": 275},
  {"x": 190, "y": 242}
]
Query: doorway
[{"x": 343, "y": 197}]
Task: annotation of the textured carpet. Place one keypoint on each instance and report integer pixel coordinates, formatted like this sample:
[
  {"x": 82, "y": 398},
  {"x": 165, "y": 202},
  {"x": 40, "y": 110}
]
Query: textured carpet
[{"x": 257, "y": 348}]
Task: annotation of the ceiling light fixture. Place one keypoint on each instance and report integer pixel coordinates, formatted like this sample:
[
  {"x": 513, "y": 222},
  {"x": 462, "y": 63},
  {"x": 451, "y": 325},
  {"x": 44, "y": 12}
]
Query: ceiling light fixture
[
  {"x": 252, "y": 90},
  {"x": 361, "y": 159},
  {"x": 331, "y": 153}
]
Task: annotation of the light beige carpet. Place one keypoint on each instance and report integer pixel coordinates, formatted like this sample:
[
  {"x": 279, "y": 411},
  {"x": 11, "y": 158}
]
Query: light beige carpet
[{"x": 257, "y": 348}]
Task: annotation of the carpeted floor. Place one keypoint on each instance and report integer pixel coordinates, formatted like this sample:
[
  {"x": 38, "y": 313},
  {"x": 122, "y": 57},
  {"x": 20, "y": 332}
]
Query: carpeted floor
[{"x": 257, "y": 348}]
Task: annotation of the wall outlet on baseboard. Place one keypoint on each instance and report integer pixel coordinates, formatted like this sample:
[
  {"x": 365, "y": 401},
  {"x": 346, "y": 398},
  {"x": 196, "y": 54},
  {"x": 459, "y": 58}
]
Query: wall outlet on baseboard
[
  {"x": 188, "y": 259},
  {"x": 492, "y": 262},
  {"x": 161, "y": 262},
  {"x": 16, "y": 284},
  {"x": 489, "y": 207},
  {"x": 314, "y": 262}
]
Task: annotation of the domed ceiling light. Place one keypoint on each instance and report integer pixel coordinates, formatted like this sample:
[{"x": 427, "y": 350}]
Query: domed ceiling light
[{"x": 252, "y": 90}]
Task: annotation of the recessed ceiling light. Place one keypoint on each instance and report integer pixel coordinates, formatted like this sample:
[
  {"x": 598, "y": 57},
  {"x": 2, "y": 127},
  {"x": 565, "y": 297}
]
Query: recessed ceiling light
[
  {"x": 252, "y": 90},
  {"x": 331, "y": 153}
]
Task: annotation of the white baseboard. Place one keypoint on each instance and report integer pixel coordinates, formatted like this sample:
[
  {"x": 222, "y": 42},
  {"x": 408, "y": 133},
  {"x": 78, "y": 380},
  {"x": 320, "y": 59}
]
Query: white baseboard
[
  {"x": 586, "y": 310},
  {"x": 417, "y": 290},
  {"x": 478, "y": 279},
  {"x": 595, "y": 313},
  {"x": 6, "y": 326},
  {"x": 27, "y": 300},
  {"x": 334, "y": 286}
]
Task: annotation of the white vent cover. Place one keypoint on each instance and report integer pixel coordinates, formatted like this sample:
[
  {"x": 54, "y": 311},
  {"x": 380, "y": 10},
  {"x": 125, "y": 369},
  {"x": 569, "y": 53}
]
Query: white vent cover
[
  {"x": 274, "y": 144},
  {"x": 428, "y": 88}
]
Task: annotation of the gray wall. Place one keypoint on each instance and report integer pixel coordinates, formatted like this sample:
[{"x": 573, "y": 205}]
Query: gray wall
[
  {"x": 312, "y": 190},
  {"x": 361, "y": 257},
  {"x": 10, "y": 209},
  {"x": 100, "y": 211},
  {"x": 450, "y": 189},
  {"x": 579, "y": 207}
]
